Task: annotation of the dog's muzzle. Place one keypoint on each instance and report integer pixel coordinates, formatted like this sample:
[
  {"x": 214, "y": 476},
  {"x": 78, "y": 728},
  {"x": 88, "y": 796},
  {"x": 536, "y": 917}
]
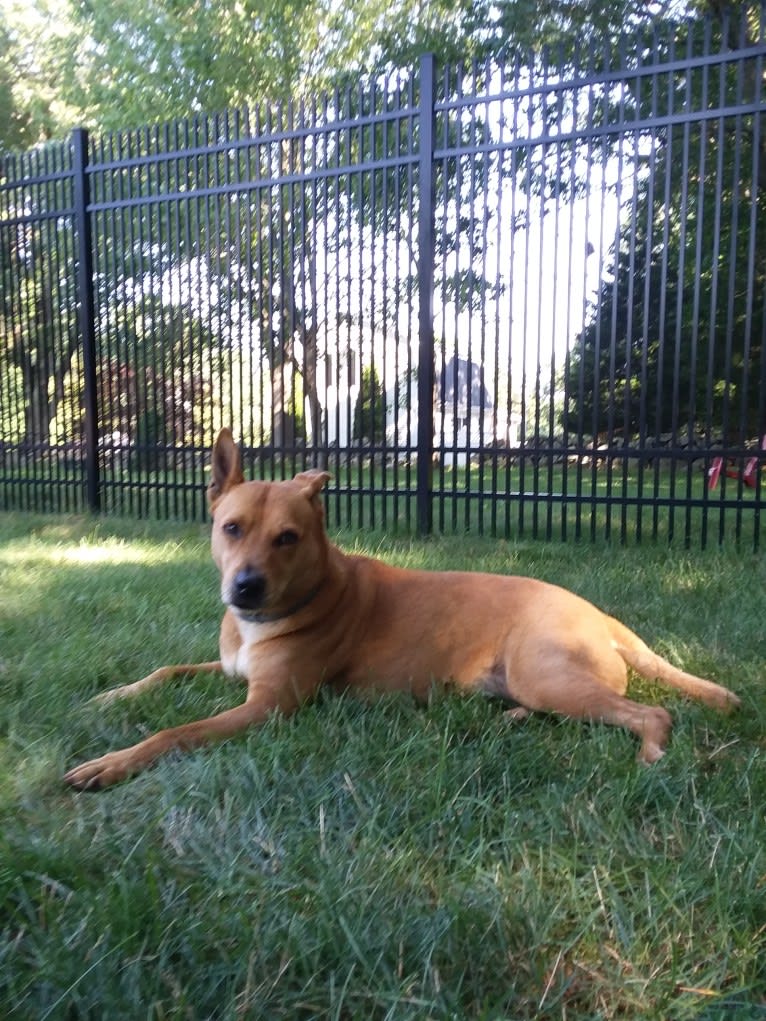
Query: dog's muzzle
[{"x": 248, "y": 589}]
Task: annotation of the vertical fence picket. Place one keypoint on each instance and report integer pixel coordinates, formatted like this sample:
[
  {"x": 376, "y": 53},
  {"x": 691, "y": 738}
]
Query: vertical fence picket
[
  {"x": 426, "y": 261},
  {"x": 86, "y": 317}
]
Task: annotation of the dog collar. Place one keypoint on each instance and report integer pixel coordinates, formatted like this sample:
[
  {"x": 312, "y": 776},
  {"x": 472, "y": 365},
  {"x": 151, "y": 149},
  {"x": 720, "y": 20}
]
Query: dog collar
[{"x": 270, "y": 618}]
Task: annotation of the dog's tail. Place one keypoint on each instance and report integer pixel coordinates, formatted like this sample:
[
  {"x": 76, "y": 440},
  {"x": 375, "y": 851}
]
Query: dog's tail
[{"x": 648, "y": 664}]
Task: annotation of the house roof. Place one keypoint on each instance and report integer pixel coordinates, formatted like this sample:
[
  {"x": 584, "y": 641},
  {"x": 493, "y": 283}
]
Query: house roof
[{"x": 462, "y": 382}]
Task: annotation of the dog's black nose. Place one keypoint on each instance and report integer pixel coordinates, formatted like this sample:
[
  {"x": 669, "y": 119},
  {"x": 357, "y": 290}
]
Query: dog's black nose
[{"x": 248, "y": 589}]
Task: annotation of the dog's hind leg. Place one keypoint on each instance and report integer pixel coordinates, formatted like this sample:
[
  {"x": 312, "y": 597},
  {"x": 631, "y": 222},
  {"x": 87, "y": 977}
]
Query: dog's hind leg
[
  {"x": 153, "y": 680},
  {"x": 578, "y": 696},
  {"x": 651, "y": 724},
  {"x": 571, "y": 681}
]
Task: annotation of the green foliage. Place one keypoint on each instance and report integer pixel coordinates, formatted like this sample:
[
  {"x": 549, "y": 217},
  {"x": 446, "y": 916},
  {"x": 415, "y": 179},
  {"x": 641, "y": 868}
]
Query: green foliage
[
  {"x": 12, "y": 121},
  {"x": 169, "y": 372},
  {"x": 33, "y": 80},
  {"x": 39, "y": 339},
  {"x": 171, "y": 58},
  {"x": 371, "y": 860},
  {"x": 675, "y": 324},
  {"x": 116, "y": 63},
  {"x": 370, "y": 410}
]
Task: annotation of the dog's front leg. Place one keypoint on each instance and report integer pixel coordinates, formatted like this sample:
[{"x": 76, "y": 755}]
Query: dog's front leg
[
  {"x": 153, "y": 680},
  {"x": 115, "y": 766}
]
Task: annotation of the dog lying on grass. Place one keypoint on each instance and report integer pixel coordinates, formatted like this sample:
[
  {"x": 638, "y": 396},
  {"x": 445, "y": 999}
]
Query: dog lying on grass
[{"x": 301, "y": 614}]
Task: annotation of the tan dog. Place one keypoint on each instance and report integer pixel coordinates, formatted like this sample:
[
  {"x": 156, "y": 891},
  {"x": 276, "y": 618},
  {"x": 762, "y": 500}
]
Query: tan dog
[{"x": 300, "y": 614}]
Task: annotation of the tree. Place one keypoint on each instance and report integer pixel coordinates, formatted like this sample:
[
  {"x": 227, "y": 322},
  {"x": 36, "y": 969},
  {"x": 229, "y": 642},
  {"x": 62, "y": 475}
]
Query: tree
[
  {"x": 160, "y": 392},
  {"x": 12, "y": 126},
  {"x": 676, "y": 331},
  {"x": 370, "y": 411},
  {"x": 33, "y": 81},
  {"x": 167, "y": 60},
  {"x": 38, "y": 328},
  {"x": 171, "y": 60}
]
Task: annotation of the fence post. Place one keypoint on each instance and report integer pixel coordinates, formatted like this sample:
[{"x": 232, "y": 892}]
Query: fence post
[
  {"x": 86, "y": 313},
  {"x": 426, "y": 260}
]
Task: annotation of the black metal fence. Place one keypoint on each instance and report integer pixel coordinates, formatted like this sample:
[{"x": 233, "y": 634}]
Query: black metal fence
[{"x": 521, "y": 297}]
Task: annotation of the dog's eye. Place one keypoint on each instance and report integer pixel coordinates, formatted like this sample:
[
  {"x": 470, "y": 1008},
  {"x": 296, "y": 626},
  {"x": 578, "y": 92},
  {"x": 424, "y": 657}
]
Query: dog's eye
[
  {"x": 232, "y": 529},
  {"x": 286, "y": 538}
]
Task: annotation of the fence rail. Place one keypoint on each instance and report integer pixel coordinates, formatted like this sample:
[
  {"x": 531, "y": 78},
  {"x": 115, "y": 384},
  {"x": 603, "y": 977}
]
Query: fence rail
[{"x": 522, "y": 298}]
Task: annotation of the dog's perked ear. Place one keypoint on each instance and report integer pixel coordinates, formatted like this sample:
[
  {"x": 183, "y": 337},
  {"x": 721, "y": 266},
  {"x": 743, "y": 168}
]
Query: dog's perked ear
[
  {"x": 225, "y": 467},
  {"x": 312, "y": 481}
]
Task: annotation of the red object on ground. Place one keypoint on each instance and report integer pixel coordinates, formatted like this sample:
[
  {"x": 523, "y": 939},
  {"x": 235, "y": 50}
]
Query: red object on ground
[{"x": 747, "y": 475}]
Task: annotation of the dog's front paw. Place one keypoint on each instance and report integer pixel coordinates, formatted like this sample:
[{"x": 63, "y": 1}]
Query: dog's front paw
[{"x": 96, "y": 774}]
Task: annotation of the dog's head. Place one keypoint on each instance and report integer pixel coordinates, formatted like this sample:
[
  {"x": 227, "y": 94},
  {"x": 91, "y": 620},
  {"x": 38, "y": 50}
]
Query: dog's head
[{"x": 268, "y": 539}]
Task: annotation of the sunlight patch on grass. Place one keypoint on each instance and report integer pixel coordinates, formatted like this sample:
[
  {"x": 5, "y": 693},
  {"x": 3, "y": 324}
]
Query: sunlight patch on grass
[
  {"x": 116, "y": 552},
  {"x": 106, "y": 553}
]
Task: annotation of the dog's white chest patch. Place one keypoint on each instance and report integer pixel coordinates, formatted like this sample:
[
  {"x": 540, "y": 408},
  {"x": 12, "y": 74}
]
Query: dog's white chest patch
[{"x": 235, "y": 662}]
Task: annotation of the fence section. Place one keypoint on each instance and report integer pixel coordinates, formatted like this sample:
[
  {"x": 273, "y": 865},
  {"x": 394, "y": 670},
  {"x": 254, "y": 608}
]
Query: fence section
[
  {"x": 260, "y": 270},
  {"x": 526, "y": 298},
  {"x": 600, "y": 292},
  {"x": 40, "y": 350}
]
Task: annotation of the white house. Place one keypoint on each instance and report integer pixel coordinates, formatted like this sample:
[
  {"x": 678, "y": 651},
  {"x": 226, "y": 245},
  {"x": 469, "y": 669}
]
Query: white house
[{"x": 465, "y": 416}]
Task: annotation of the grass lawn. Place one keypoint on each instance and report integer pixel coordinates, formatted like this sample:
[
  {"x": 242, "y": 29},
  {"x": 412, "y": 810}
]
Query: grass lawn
[{"x": 371, "y": 860}]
